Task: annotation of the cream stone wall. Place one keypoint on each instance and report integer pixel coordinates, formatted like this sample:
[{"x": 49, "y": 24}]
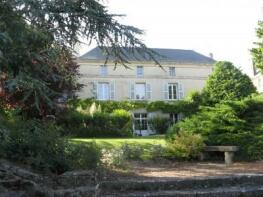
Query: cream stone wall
[
  {"x": 192, "y": 77},
  {"x": 258, "y": 82}
]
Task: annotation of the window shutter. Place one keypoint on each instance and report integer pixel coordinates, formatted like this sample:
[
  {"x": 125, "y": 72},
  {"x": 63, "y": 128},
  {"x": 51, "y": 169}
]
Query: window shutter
[
  {"x": 132, "y": 91},
  {"x": 112, "y": 90},
  {"x": 165, "y": 91},
  {"x": 148, "y": 91},
  {"x": 95, "y": 89},
  {"x": 180, "y": 91}
]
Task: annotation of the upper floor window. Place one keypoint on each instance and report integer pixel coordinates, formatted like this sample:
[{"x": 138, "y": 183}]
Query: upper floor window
[
  {"x": 172, "y": 71},
  {"x": 103, "y": 91},
  {"x": 103, "y": 70},
  {"x": 140, "y": 71},
  {"x": 172, "y": 91},
  {"x": 140, "y": 91}
]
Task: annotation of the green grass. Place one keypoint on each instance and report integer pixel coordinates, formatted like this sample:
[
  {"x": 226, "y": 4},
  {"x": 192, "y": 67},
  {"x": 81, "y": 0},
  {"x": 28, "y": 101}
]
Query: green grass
[
  {"x": 144, "y": 142},
  {"x": 258, "y": 97}
]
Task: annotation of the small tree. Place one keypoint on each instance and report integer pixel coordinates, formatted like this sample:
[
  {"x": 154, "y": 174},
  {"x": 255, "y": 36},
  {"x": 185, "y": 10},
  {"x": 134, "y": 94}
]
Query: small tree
[
  {"x": 257, "y": 53},
  {"x": 228, "y": 83}
]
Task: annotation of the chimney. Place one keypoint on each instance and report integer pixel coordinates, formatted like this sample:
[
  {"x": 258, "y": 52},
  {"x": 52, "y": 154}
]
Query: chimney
[{"x": 211, "y": 55}]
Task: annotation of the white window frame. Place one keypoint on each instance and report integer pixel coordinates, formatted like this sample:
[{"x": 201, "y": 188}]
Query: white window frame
[
  {"x": 103, "y": 94},
  {"x": 140, "y": 71},
  {"x": 142, "y": 117},
  {"x": 135, "y": 92},
  {"x": 173, "y": 85},
  {"x": 172, "y": 71},
  {"x": 103, "y": 70}
]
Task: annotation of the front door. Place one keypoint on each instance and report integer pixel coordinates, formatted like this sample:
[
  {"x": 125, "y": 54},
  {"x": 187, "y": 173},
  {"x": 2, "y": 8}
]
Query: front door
[{"x": 140, "y": 124}]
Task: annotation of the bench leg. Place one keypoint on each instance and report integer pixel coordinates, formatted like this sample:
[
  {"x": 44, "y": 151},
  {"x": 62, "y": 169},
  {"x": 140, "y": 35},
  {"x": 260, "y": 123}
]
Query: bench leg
[{"x": 229, "y": 157}]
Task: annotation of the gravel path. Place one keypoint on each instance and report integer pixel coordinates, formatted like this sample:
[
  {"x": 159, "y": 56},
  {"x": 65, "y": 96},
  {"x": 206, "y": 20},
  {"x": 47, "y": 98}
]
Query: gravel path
[{"x": 171, "y": 170}]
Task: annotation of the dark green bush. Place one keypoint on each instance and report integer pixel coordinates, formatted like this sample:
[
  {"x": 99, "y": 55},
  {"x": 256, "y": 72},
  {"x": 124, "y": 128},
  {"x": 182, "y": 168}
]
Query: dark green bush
[
  {"x": 159, "y": 124},
  {"x": 116, "y": 124},
  {"x": 230, "y": 123},
  {"x": 39, "y": 145}
]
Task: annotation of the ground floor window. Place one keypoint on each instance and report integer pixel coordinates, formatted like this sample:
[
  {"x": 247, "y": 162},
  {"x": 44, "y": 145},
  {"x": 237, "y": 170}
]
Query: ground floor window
[
  {"x": 140, "y": 121},
  {"x": 173, "y": 118}
]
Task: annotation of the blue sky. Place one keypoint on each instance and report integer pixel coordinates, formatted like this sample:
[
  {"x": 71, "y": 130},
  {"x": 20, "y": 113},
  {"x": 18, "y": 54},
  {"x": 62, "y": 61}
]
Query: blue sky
[{"x": 225, "y": 28}]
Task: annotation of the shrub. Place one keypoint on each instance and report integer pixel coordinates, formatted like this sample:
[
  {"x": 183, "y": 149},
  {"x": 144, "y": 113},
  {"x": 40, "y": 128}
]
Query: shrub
[
  {"x": 39, "y": 145},
  {"x": 237, "y": 123},
  {"x": 159, "y": 124},
  {"x": 186, "y": 145},
  {"x": 83, "y": 156},
  {"x": 116, "y": 124}
]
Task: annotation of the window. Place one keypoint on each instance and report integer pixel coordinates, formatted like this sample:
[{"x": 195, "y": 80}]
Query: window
[
  {"x": 103, "y": 91},
  {"x": 173, "y": 118},
  {"x": 172, "y": 71},
  {"x": 103, "y": 70},
  {"x": 140, "y": 71},
  {"x": 140, "y": 91},
  {"x": 140, "y": 121},
  {"x": 172, "y": 91}
]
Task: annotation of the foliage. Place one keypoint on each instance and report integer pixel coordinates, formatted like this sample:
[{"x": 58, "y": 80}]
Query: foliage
[
  {"x": 116, "y": 124},
  {"x": 115, "y": 152},
  {"x": 228, "y": 83},
  {"x": 129, "y": 152},
  {"x": 185, "y": 145},
  {"x": 37, "y": 38},
  {"x": 231, "y": 123},
  {"x": 39, "y": 145},
  {"x": 35, "y": 70},
  {"x": 257, "y": 52},
  {"x": 187, "y": 107},
  {"x": 159, "y": 124}
]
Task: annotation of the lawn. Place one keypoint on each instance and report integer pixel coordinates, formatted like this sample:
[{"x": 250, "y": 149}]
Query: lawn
[{"x": 144, "y": 142}]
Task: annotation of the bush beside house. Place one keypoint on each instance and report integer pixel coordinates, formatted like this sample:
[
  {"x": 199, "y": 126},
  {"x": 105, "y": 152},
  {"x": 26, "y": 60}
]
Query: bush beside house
[{"x": 237, "y": 123}]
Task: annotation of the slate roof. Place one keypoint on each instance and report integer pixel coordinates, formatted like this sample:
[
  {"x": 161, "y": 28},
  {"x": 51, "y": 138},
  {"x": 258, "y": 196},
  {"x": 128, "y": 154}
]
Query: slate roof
[{"x": 169, "y": 55}]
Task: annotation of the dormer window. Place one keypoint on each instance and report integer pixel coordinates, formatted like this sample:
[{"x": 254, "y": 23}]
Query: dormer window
[
  {"x": 140, "y": 71},
  {"x": 103, "y": 70},
  {"x": 171, "y": 71}
]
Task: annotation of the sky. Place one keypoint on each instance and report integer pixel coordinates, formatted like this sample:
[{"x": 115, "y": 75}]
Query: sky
[{"x": 225, "y": 28}]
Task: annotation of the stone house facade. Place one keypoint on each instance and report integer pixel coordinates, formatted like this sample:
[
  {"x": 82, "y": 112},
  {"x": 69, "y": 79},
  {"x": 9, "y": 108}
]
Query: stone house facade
[
  {"x": 182, "y": 72},
  {"x": 257, "y": 79}
]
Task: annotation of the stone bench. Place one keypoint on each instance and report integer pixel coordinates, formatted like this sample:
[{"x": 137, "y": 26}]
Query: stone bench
[{"x": 228, "y": 150}]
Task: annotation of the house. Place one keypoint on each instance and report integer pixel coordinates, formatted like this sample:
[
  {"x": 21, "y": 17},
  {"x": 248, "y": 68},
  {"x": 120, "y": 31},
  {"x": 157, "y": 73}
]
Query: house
[
  {"x": 182, "y": 72},
  {"x": 257, "y": 79}
]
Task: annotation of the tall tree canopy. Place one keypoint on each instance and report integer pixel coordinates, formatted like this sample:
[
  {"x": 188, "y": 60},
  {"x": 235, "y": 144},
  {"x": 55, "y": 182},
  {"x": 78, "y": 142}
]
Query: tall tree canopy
[
  {"x": 257, "y": 53},
  {"x": 228, "y": 83},
  {"x": 37, "y": 38}
]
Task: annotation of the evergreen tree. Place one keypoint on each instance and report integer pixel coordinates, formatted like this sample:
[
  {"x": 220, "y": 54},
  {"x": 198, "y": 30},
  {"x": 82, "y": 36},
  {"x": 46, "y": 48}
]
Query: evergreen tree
[{"x": 228, "y": 83}]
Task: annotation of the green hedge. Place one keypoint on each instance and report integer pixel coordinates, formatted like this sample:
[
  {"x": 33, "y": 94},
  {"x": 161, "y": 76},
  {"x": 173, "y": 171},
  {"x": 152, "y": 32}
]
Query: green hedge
[{"x": 99, "y": 124}]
